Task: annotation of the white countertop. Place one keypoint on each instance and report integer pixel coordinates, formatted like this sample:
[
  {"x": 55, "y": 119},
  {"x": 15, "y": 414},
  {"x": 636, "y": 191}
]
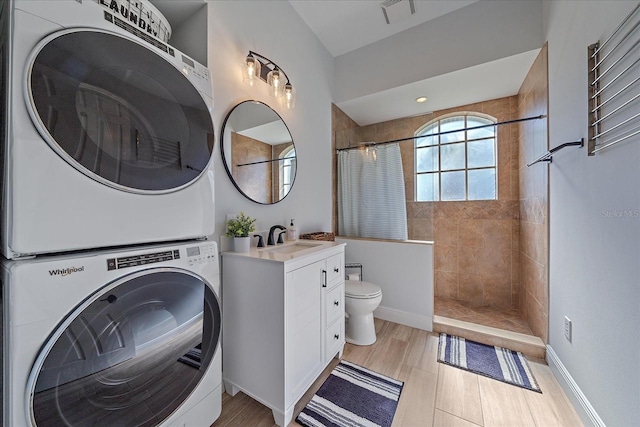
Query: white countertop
[{"x": 286, "y": 251}]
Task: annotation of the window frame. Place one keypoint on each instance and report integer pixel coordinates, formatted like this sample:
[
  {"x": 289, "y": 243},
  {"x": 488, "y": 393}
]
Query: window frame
[
  {"x": 285, "y": 169},
  {"x": 465, "y": 115}
]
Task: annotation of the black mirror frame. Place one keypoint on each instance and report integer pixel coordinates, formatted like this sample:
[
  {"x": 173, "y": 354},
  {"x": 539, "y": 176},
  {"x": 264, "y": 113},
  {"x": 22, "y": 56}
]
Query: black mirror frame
[{"x": 224, "y": 160}]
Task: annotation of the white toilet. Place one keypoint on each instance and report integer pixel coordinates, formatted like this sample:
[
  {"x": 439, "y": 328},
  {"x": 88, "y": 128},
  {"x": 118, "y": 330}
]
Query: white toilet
[{"x": 361, "y": 298}]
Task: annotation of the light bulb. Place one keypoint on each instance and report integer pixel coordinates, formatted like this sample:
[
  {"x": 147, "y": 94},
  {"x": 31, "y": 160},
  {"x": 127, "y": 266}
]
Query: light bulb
[
  {"x": 289, "y": 98},
  {"x": 252, "y": 71},
  {"x": 274, "y": 79}
]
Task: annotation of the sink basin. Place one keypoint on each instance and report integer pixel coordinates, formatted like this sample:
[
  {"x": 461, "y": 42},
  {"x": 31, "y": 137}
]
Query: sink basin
[{"x": 289, "y": 248}]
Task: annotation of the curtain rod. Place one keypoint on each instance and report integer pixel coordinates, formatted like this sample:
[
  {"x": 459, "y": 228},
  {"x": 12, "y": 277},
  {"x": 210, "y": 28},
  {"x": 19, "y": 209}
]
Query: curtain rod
[
  {"x": 266, "y": 161},
  {"x": 508, "y": 122}
]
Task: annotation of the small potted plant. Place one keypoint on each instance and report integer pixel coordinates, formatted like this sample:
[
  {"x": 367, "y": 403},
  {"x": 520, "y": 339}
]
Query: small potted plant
[{"x": 239, "y": 228}]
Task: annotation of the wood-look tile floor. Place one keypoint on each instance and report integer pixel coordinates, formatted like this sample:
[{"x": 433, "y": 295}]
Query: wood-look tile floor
[
  {"x": 507, "y": 319},
  {"x": 434, "y": 394}
]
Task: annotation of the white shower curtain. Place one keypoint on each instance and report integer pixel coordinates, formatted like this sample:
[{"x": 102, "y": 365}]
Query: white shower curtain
[{"x": 371, "y": 198}]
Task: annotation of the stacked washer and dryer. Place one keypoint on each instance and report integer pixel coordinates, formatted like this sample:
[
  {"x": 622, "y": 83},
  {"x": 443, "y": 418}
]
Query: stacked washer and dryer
[{"x": 110, "y": 308}]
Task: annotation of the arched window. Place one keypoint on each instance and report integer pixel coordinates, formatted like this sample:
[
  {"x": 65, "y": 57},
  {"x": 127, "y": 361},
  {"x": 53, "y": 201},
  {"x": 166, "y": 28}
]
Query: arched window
[
  {"x": 457, "y": 164},
  {"x": 287, "y": 170}
]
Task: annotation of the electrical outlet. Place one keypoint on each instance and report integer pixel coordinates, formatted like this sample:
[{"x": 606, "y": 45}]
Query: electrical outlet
[{"x": 567, "y": 328}]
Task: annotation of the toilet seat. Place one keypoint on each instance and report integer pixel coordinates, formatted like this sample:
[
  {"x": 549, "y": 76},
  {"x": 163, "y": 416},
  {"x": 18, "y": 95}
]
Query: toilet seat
[{"x": 361, "y": 290}]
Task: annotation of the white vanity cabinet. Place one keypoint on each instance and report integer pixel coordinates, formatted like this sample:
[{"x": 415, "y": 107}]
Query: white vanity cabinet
[{"x": 283, "y": 322}]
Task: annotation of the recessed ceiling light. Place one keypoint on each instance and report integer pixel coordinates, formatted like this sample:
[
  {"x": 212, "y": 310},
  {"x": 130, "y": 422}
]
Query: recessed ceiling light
[{"x": 421, "y": 99}]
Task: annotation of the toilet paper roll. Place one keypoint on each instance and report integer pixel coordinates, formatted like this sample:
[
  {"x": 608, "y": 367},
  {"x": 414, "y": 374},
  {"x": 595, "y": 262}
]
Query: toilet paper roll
[{"x": 354, "y": 277}]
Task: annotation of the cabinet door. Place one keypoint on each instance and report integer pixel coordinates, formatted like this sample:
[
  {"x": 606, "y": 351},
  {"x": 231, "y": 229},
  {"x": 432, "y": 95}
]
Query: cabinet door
[{"x": 303, "y": 338}]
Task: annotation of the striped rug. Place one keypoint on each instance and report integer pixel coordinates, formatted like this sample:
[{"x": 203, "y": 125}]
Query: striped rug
[
  {"x": 494, "y": 362},
  {"x": 353, "y": 396}
]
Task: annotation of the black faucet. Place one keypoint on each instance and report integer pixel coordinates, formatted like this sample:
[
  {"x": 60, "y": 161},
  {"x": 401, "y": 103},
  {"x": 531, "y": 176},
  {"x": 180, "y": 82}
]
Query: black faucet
[
  {"x": 270, "y": 241},
  {"x": 260, "y": 240}
]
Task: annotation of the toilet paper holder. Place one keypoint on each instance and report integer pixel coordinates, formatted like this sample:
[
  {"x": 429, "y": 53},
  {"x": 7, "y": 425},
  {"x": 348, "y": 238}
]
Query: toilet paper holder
[{"x": 353, "y": 265}]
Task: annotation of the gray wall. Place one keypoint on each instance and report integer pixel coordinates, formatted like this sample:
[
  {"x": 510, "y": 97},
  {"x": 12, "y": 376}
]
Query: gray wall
[{"x": 594, "y": 253}]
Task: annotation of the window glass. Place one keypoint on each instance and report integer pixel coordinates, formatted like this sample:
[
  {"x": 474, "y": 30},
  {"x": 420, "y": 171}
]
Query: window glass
[
  {"x": 481, "y": 153},
  {"x": 456, "y": 166},
  {"x": 426, "y": 139},
  {"x": 482, "y": 184},
  {"x": 427, "y": 187},
  {"x": 452, "y": 156},
  {"x": 487, "y": 132},
  {"x": 427, "y": 160},
  {"x": 453, "y": 186},
  {"x": 451, "y": 124}
]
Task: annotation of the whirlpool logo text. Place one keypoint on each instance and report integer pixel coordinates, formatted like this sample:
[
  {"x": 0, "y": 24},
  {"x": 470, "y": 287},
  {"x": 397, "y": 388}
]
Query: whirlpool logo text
[{"x": 66, "y": 271}]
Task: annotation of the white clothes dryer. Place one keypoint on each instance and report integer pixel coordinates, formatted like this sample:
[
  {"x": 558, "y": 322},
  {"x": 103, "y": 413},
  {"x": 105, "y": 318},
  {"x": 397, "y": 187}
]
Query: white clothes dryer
[
  {"x": 113, "y": 338},
  {"x": 108, "y": 129}
]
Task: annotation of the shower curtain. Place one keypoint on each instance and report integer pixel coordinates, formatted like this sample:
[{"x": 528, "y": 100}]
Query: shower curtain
[{"x": 371, "y": 198}]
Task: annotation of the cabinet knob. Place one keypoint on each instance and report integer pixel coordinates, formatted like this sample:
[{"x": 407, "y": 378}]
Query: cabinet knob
[
  {"x": 336, "y": 269},
  {"x": 336, "y": 336},
  {"x": 336, "y": 303}
]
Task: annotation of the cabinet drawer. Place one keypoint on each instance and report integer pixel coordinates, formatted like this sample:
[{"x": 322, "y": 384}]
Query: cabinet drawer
[
  {"x": 335, "y": 267},
  {"x": 334, "y": 338},
  {"x": 334, "y": 303}
]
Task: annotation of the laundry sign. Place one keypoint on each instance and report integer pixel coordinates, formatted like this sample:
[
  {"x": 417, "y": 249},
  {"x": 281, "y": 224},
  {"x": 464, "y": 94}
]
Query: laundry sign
[{"x": 136, "y": 14}]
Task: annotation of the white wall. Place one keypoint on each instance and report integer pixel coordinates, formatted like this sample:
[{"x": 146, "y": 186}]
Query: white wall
[
  {"x": 275, "y": 30},
  {"x": 404, "y": 272},
  {"x": 594, "y": 253}
]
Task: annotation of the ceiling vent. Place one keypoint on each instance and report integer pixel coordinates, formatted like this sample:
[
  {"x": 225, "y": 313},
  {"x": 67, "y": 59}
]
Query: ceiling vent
[{"x": 397, "y": 10}]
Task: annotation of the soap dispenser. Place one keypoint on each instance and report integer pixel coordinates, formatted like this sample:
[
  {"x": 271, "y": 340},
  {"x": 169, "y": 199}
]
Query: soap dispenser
[{"x": 292, "y": 233}]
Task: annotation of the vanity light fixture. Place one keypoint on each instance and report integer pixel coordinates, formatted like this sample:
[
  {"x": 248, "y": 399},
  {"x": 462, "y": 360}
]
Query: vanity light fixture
[{"x": 258, "y": 67}]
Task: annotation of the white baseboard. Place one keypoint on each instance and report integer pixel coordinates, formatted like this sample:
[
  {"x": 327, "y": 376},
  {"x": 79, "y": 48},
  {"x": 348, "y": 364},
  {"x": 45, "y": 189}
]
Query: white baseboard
[
  {"x": 404, "y": 318},
  {"x": 580, "y": 402}
]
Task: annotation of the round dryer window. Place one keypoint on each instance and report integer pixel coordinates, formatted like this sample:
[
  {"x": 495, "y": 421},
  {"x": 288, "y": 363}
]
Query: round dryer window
[
  {"x": 130, "y": 354},
  {"x": 119, "y": 112}
]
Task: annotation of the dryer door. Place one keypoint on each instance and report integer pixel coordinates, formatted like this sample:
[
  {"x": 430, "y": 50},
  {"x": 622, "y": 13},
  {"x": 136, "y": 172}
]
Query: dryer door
[
  {"x": 131, "y": 354},
  {"x": 119, "y": 112}
]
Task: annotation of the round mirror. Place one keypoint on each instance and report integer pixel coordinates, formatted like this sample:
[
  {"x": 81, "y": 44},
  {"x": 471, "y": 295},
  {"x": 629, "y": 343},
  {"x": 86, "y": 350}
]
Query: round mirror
[{"x": 258, "y": 152}]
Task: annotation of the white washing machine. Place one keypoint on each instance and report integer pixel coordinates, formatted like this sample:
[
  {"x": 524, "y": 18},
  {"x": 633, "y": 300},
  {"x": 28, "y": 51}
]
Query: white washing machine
[
  {"x": 108, "y": 130},
  {"x": 113, "y": 338}
]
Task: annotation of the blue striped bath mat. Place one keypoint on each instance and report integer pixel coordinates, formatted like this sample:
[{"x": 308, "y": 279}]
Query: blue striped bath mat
[
  {"x": 353, "y": 396},
  {"x": 494, "y": 362}
]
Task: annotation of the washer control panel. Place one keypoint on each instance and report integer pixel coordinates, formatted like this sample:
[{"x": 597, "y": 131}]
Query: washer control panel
[
  {"x": 142, "y": 259},
  {"x": 197, "y": 254}
]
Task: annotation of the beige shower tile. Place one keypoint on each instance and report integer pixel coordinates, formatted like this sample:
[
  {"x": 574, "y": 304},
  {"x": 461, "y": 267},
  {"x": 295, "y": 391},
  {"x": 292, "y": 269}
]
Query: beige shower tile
[
  {"x": 446, "y": 258},
  {"x": 421, "y": 229},
  {"x": 423, "y": 210},
  {"x": 446, "y": 284},
  {"x": 470, "y": 288},
  {"x": 495, "y": 262},
  {"x": 470, "y": 232},
  {"x": 470, "y": 259},
  {"x": 445, "y": 231},
  {"x": 497, "y": 234},
  {"x": 497, "y": 290}
]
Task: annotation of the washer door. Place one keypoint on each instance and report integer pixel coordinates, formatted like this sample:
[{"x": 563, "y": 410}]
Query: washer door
[
  {"x": 131, "y": 354},
  {"x": 118, "y": 112}
]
